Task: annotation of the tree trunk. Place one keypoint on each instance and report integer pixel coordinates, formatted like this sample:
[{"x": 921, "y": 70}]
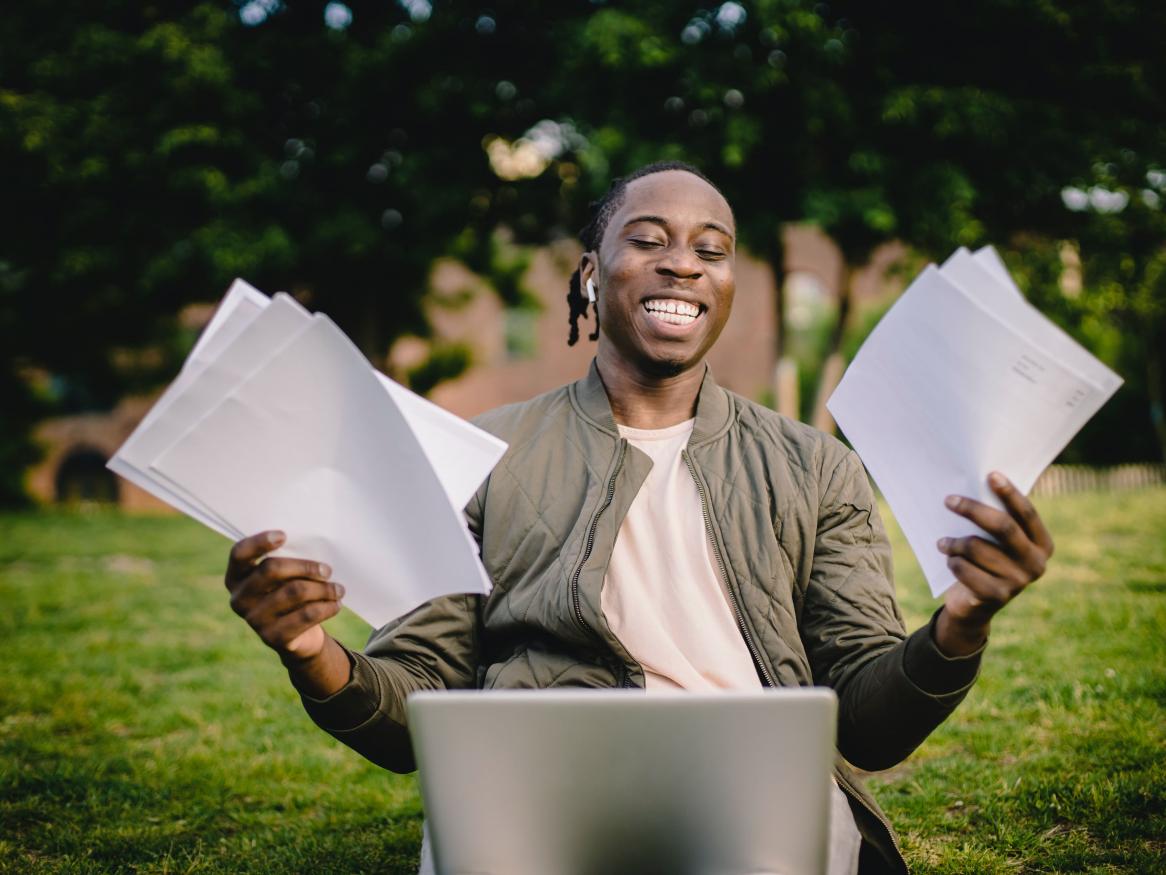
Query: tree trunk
[
  {"x": 775, "y": 256},
  {"x": 1155, "y": 380},
  {"x": 785, "y": 373},
  {"x": 787, "y": 394},
  {"x": 834, "y": 364}
]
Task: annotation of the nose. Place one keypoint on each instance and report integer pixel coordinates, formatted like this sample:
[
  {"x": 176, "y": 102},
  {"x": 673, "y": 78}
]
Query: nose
[{"x": 680, "y": 262}]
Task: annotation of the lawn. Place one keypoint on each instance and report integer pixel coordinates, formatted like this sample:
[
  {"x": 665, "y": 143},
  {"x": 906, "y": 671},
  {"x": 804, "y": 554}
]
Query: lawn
[{"x": 143, "y": 728}]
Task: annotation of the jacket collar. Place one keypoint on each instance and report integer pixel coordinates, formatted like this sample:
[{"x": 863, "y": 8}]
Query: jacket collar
[{"x": 714, "y": 407}]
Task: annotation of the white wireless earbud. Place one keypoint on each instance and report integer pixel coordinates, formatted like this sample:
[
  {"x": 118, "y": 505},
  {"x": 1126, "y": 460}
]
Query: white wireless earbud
[{"x": 591, "y": 291}]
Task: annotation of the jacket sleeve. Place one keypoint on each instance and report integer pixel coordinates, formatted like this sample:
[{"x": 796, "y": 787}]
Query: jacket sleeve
[
  {"x": 893, "y": 690},
  {"x": 434, "y": 647}
]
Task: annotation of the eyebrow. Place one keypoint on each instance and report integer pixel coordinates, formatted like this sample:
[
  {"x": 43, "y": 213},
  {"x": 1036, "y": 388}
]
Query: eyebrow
[{"x": 662, "y": 222}]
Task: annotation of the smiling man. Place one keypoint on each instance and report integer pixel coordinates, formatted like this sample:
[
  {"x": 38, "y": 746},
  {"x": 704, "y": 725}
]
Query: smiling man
[{"x": 648, "y": 528}]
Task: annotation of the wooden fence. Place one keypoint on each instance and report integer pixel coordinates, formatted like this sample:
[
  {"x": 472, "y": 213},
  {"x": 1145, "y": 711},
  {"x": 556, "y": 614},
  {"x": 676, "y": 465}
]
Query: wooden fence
[{"x": 1065, "y": 479}]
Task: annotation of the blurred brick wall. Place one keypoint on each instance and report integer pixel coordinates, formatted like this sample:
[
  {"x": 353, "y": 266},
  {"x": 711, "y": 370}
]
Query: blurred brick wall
[
  {"x": 742, "y": 359},
  {"x": 462, "y": 310}
]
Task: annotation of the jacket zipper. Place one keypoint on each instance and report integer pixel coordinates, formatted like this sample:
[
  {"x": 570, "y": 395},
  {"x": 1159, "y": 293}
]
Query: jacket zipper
[
  {"x": 591, "y": 538},
  {"x": 878, "y": 815},
  {"x": 753, "y": 647},
  {"x": 708, "y": 527}
]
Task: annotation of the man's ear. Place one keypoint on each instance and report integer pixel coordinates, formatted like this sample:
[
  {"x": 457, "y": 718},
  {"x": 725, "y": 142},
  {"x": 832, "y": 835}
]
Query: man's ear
[{"x": 588, "y": 269}]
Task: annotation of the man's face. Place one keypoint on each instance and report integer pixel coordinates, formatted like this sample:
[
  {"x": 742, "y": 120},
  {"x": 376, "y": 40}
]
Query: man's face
[{"x": 664, "y": 273}]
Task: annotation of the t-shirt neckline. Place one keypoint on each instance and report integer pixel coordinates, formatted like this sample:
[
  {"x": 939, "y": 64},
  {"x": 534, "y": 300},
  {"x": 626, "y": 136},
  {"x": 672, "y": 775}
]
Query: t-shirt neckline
[{"x": 657, "y": 434}]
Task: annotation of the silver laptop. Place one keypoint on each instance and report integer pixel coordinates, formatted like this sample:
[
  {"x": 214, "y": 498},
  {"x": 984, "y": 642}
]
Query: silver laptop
[{"x": 551, "y": 782}]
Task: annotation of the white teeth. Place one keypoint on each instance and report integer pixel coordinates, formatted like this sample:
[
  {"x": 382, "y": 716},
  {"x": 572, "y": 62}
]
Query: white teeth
[
  {"x": 672, "y": 311},
  {"x": 672, "y": 318}
]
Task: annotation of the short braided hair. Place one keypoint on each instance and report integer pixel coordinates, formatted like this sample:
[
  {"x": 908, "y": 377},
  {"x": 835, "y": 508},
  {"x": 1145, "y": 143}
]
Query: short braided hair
[{"x": 592, "y": 235}]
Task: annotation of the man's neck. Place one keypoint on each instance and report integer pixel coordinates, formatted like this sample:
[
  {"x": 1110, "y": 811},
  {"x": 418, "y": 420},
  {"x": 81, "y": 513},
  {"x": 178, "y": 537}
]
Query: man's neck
[{"x": 641, "y": 401}]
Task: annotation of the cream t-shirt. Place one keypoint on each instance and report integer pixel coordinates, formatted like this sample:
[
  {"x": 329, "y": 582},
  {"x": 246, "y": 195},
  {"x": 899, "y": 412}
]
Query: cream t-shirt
[
  {"x": 664, "y": 596},
  {"x": 666, "y": 600}
]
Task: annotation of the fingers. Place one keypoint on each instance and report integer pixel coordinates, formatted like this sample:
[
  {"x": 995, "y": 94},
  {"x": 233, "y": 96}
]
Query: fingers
[
  {"x": 273, "y": 571},
  {"x": 295, "y": 594},
  {"x": 272, "y": 574},
  {"x": 989, "y": 575},
  {"x": 280, "y": 634},
  {"x": 1010, "y": 533},
  {"x": 985, "y": 555},
  {"x": 988, "y": 590},
  {"x": 1022, "y": 511},
  {"x": 284, "y": 600},
  {"x": 250, "y": 550},
  {"x": 997, "y": 523}
]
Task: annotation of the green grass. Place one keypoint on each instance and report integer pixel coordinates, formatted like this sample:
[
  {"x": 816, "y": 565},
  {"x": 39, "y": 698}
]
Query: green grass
[
  {"x": 1056, "y": 762},
  {"x": 143, "y": 728}
]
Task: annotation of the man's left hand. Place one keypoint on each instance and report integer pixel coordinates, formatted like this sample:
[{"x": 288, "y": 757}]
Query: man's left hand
[{"x": 989, "y": 575}]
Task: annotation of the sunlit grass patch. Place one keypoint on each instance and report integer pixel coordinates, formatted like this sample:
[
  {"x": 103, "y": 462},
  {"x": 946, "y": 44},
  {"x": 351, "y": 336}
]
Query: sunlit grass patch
[
  {"x": 1057, "y": 760},
  {"x": 144, "y": 728}
]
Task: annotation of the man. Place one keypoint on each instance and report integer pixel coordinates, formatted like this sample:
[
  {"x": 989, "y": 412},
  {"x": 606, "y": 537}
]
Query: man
[{"x": 648, "y": 528}]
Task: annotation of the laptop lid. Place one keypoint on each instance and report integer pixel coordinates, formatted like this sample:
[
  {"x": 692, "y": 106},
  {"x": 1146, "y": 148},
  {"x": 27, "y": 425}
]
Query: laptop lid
[{"x": 550, "y": 782}]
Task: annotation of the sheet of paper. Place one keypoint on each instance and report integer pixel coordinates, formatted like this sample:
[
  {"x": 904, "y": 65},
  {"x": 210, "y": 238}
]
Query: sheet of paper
[
  {"x": 165, "y": 492},
  {"x": 204, "y": 386},
  {"x": 242, "y": 303},
  {"x": 1003, "y": 298},
  {"x": 263, "y": 335},
  {"x": 1006, "y": 302},
  {"x": 311, "y": 443},
  {"x": 945, "y": 391},
  {"x": 988, "y": 258},
  {"x": 461, "y": 454}
]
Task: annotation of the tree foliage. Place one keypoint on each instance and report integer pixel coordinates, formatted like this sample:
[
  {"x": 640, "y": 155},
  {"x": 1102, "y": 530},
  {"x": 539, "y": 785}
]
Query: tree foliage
[
  {"x": 938, "y": 125},
  {"x": 152, "y": 152}
]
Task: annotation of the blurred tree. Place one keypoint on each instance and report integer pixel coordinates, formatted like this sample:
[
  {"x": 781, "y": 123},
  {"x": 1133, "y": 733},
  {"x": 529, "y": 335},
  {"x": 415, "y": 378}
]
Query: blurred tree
[
  {"x": 1106, "y": 284},
  {"x": 744, "y": 91},
  {"x": 116, "y": 147},
  {"x": 1011, "y": 107},
  {"x": 965, "y": 123},
  {"x": 728, "y": 88},
  {"x": 862, "y": 119},
  {"x": 1124, "y": 284},
  {"x": 152, "y": 152}
]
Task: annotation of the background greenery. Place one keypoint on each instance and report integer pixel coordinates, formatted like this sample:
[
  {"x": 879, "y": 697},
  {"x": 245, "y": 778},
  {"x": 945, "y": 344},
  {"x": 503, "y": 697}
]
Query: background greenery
[
  {"x": 151, "y": 152},
  {"x": 144, "y": 728}
]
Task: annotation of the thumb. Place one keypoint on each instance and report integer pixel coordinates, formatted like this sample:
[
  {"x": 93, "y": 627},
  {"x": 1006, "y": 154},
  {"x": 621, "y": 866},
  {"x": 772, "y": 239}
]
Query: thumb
[{"x": 308, "y": 643}]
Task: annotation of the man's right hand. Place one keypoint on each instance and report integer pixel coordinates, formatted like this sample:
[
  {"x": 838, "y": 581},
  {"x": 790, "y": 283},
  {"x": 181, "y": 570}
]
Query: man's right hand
[{"x": 283, "y": 600}]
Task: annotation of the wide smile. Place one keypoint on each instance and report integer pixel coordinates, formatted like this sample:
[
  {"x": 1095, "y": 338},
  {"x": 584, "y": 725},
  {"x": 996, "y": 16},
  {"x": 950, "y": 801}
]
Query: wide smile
[{"x": 673, "y": 311}]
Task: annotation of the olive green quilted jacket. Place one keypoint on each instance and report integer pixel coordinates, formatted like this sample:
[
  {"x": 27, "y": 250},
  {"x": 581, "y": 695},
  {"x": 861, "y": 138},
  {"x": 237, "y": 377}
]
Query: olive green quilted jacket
[{"x": 795, "y": 531}]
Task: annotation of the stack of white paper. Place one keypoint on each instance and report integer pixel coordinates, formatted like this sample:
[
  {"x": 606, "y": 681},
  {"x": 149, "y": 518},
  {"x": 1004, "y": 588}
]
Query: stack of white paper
[
  {"x": 278, "y": 422},
  {"x": 963, "y": 377}
]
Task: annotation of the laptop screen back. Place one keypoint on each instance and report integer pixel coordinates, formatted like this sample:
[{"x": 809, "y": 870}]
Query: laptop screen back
[{"x": 604, "y": 782}]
